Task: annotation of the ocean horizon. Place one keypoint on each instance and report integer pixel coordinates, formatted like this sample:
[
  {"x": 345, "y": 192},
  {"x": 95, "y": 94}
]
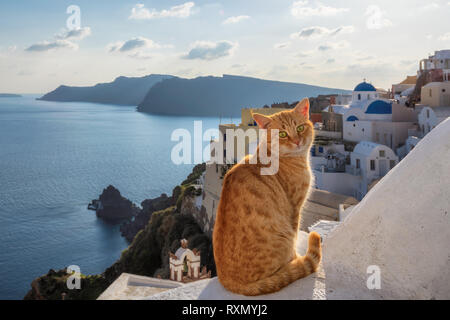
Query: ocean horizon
[{"x": 54, "y": 159}]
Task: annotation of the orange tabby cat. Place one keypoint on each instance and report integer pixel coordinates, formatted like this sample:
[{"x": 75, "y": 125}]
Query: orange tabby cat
[{"x": 258, "y": 215}]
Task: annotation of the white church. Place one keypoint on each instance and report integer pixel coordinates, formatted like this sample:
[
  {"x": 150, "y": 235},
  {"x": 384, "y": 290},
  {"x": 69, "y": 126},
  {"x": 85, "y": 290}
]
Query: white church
[
  {"x": 378, "y": 126},
  {"x": 371, "y": 118}
]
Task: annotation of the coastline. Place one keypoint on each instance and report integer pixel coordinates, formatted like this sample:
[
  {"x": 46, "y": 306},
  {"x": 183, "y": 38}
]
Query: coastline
[{"x": 147, "y": 254}]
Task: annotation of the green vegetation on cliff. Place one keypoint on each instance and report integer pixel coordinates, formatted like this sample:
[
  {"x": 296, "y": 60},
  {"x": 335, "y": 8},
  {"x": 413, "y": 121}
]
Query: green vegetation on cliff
[{"x": 147, "y": 255}]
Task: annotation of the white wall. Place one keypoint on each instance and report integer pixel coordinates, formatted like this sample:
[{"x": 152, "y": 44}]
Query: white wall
[
  {"x": 358, "y": 130},
  {"x": 402, "y": 226},
  {"x": 382, "y": 166},
  {"x": 427, "y": 120},
  {"x": 337, "y": 182}
]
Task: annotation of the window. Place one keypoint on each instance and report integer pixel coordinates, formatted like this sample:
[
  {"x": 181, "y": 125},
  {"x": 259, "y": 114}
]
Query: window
[
  {"x": 224, "y": 137},
  {"x": 368, "y": 97},
  {"x": 377, "y": 137},
  {"x": 372, "y": 165},
  {"x": 428, "y": 113},
  {"x": 430, "y": 92},
  {"x": 392, "y": 163},
  {"x": 358, "y": 163},
  {"x": 382, "y": 153},
  {"x": 359, "y": 96},
  {"x": 217, "y": 168}
]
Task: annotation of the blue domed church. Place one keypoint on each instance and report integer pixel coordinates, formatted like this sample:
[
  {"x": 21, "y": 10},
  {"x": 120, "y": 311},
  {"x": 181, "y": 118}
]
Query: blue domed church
[{"x": 371, "y": 118}]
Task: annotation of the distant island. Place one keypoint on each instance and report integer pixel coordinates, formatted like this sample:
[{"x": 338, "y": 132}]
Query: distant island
[
  {"x": 223, "y": 96},
  {"x": 9, "y": 95},
  {"x": 202, "y": 96},
  {"x": 122, "y": 91}
]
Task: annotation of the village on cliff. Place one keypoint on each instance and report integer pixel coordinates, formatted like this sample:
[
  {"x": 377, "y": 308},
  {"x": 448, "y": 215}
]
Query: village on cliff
[{"x": 362, "y": 146}]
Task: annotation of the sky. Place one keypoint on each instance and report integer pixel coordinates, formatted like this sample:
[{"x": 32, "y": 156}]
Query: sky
[{"x": 44, "y": 44}]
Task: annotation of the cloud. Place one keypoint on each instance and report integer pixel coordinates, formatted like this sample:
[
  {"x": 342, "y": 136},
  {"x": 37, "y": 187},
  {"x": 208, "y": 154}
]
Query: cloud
[
  {"x": 317, "y": 32},
  {"x": 365, "y": 58},
  {"x": 324, "y": 48},
  {"x": 235, "y": 19},
  {"x": 445, "y": 37},
  {"x": 138, "y": 47},
  {"x": 75, "y": 34},
  {"x": 206, "y": 50},
  {"x": 62, "y": 40},
  {"x": 333, "y": 46},
  {"x": 51, "y": 45},
  {"x": 375, "y": 18},
  {"x": 133, "y": 44},
  {"x": 301, "y": 9},
  {"x": 429, "y": 6},
  {"x": 139, "y": 12},
  {"x": 140, "y": 55},
  {"x": 305, "y": 54},
  {"x": 282, "y": 45}
]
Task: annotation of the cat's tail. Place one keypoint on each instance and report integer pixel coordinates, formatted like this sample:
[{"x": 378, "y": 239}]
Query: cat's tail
[{"x": 299, "y": 267}]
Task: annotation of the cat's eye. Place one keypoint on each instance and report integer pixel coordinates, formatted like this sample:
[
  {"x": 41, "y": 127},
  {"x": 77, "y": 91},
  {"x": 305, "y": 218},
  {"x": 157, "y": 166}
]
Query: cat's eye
[
  {"x": 300, "y": 128},
  {"x": 283, "y": 134}
]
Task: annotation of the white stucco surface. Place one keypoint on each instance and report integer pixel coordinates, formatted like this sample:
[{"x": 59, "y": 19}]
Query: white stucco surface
[
  {"x": 402, "y": 226},
  {"x": 134, "y": 287}
]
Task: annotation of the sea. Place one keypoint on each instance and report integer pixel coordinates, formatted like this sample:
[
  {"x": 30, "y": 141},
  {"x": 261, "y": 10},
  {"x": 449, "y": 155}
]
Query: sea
[{"x": 55, "y": 158}]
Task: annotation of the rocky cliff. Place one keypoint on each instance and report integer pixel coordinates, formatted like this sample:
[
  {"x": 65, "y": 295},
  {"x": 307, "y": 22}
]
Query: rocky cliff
[{"x": 147, "y": 255}]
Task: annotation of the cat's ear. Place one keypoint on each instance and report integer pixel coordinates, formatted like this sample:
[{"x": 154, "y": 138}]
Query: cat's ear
[
  {"x": 262, "y": 120},
  {"x": 302, "y": 108}
]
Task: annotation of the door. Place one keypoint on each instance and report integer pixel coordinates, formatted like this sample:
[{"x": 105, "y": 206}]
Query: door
[{"x": 382, "y": 164}]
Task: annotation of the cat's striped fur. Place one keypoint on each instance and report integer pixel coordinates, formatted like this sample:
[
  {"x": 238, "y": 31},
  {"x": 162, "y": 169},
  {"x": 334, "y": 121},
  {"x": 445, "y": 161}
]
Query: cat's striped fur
[{"x": 258, "y": 216}]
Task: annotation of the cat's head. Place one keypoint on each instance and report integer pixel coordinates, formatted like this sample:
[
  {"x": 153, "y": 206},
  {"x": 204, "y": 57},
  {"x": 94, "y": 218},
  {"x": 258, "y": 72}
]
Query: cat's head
[{"x": 295, "y": 131}]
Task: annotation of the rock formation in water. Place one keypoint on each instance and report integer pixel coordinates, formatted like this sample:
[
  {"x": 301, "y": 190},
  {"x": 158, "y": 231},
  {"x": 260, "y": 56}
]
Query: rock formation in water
[
  {"x": 147, "y": 255},
  {"x": 113, "y": 207}
]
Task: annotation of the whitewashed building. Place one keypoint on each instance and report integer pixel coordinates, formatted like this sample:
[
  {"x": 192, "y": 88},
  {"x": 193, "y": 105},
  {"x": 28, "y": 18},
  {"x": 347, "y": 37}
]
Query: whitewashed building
[
  {"x": 436, "y": 94},
  {"x": 369, "y": 162},
  {"x": 440, "y": 60},
  {"x": 184, "y": 260},
  {"x": 369, "y": 118}
]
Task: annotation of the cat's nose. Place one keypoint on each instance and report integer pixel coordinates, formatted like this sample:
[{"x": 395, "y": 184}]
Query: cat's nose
[{"x": 297, "y": 142}]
